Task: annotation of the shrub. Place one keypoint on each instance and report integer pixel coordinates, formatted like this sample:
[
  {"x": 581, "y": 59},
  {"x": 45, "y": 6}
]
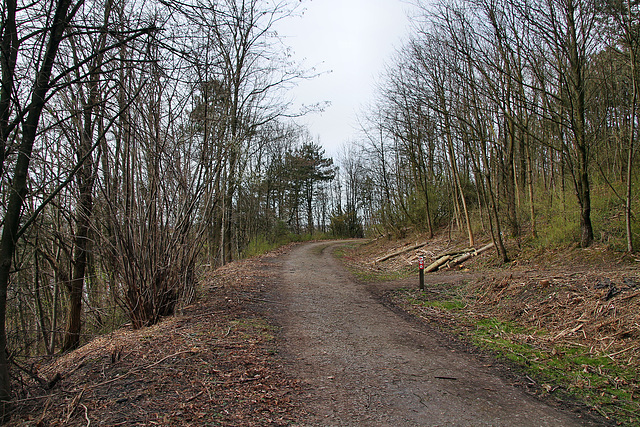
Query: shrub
[{"x": 347, "y": 225}]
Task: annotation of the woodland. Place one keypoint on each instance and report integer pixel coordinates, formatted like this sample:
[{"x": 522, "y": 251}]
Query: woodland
[{"x": 144, "y": 143}]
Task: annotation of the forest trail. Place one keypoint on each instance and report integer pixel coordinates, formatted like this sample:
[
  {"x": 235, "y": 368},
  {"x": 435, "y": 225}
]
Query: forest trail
[
  {"x": 363, "y": 364},
  {"x": 286, "y": 338}
]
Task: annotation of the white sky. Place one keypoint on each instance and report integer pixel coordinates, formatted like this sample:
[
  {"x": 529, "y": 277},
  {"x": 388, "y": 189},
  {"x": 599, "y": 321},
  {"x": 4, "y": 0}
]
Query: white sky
[{"x": 350, "y": 40}]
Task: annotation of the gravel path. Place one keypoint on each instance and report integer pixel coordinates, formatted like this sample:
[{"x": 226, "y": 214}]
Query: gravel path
[{"x": 364, "y": 364}]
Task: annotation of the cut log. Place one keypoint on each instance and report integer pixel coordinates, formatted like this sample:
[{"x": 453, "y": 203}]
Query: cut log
[
  {"x": 452, "y": 261},
  {"x": 461, "y": 259},
  {"x": 466, "y": 256},
  {"x": 484, "y": 248},
  {"x": 459, "y": 252},
  {"x": 400, "y": 252},
  {"x": 436, "y": 265}
]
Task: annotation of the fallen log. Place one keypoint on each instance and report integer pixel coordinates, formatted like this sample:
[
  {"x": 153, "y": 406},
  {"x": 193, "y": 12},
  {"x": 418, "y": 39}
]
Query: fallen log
[
  {"x": 436, "y": 265},
  {"x": 468, "y": 255},
  {"x": 452, "y": 261},
  {"x": 459, "y": 252},
  {"x": 400, "y": 252}
]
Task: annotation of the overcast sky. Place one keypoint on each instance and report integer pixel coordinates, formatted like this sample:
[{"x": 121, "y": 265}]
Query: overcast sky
[{"x": 350, "y": 40}]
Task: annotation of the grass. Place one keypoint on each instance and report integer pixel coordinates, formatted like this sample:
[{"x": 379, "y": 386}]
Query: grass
[
  {"x": 257, "y": 246},
  {"x": 558, "y": 217},
  {"x": 446, "y": 305}
]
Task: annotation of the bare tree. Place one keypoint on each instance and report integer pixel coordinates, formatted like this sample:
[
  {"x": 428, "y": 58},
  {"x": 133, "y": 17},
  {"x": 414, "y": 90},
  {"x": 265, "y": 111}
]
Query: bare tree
[
  {"x": 33, "y": 38},
  {"x": 53, "y": 34}
]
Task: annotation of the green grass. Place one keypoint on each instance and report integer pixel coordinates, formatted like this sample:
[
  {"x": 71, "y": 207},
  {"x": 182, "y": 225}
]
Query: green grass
[
  {"x": 444, "y": 297},
  {"x": 558, "y": 217},
  {"x": 446, "y": 305},
  {"x": 259, "y": 245}
]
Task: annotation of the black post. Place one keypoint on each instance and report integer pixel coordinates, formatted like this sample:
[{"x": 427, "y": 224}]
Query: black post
[{"x": 421, "y": 268}]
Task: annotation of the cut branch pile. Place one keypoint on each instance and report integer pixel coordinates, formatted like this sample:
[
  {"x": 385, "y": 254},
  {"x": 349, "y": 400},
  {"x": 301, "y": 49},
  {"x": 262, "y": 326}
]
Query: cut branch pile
[{"x": 575, "y": 310}]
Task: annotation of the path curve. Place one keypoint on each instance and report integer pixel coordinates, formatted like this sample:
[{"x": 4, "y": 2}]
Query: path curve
[{"x": 363, "y": 364}]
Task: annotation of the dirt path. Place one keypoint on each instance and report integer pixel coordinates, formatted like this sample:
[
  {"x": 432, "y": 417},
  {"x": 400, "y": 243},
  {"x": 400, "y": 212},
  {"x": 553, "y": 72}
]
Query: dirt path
[{"x": 363, "y": 364}]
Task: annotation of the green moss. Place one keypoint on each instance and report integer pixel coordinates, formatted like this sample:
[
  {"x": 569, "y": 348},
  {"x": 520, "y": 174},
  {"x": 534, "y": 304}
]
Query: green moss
[{"x": 445, "y": 305}]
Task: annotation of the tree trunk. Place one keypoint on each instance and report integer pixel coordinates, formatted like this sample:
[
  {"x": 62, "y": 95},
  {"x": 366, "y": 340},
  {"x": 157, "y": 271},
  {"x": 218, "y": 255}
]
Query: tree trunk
[
  {"x": 456, "y": 177},
  {"x": 84, "y": 210},
  {"x": 41, "y": 314},
  {"x": 532, "y": 210},
  {"x": 577, "y": 93},
  {"x": 632, "y": 130},
  {"x": 494, "y": 219},
  {"x": 510, "y": 176},
  {"x": 309, "y": 200},
  {"x": 8, "y": 59}
]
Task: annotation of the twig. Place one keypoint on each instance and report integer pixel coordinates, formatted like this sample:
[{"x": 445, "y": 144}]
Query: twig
[
  {"x": 134, "y": 370},
  {"x": 86, "y": 414},
  {"x": 600, "y": 412},
  {"x": 245, "y": 380},
  {"x": 621, "y": 351},
  {"x": 28, "y": 399},
  {"x": 47, "y": 385},
  {"x": 195, "y": 397},
  {"x": 626, "y": 297},
  {"x": 44, "y": 413},
  {"x": 73, "y": 405},
  {"x": 168, "y": 357},
  {"x": 568, "y": 331}
]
